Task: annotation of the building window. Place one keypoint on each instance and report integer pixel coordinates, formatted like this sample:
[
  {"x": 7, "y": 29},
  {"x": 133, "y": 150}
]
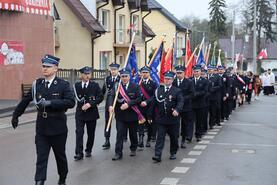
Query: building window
[
  {"x": 135, "y": 22},
  {"x": 105, "y": 59},
  {"x": 121, "y": 29},
  {"x": 105, "y": 19}
]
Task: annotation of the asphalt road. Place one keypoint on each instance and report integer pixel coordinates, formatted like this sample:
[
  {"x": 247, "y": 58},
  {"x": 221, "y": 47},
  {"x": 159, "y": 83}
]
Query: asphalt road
[{"x": 242, "y": 152}]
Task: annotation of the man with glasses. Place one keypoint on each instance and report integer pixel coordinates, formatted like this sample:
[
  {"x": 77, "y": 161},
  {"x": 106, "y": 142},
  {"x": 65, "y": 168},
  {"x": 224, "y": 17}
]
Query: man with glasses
[
  {"x": 52, "y": 97},
  {"x": 126, "y": 113}
]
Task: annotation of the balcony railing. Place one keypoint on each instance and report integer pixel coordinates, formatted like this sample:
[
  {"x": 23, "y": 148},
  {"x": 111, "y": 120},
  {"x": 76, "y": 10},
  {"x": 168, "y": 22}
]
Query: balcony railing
[{"x": 123, "y": 36}]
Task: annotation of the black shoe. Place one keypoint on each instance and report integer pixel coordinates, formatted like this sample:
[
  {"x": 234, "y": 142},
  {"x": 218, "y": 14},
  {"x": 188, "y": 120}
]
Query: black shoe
[
  {"x": 106, "y": 145},
  {"x": 61, "y": 181},
  {"x": 172, "y": 157},
  {"x": 133, "y": 153},
  {"x": 78, "y": 157},
  {"x": 39, "y": 182},
  {"x": 189, "y": 140},
  {"x": 117, "y": 157},
  {"x": 198, "y": 139},
  {"x": 88, "y": 154},
  {"x": 218, "y": 124},
  {"x": 156, "y": 159},
  {"x": 183, "y": 144},
  {"x": 148, "y": 144}
]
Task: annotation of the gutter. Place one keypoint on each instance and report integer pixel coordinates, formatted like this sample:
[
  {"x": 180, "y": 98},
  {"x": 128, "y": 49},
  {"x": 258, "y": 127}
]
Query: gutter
[{"x": 97, "y": 10}]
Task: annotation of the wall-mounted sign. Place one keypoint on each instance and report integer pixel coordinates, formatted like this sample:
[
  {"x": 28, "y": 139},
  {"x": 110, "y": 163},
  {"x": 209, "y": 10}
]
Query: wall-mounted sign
[
  {"x": 41, "y": 7},
  {"x": 11, "y": 52}
]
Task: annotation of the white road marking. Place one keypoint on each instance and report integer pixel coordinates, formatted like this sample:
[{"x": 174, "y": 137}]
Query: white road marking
[
  {"x": 180, "y": 170},
  {"x": 195, "y": 153},
  {"x": 188, "y": 160},
  {"x": 200, "y": 147},
  {"x": 218, "y": 126},
  {"x": 212, "y": 133},
  {"x": 245, "y": 144},
  {"x": 204, "y": 142},
  {"x": 243, "y": 151},
  {"x": 208, "y": 137},
  {"x": 170, "y": 181},
  {"x": 215, "y": 130}
]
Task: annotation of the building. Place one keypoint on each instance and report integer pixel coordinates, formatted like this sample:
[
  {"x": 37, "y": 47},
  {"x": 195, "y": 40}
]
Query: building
[
  {"x": 161, "y": 21},
  {"x": 26, "y": 34},
  {"x": 75, "y": 34},
  {"x": 244, "y": 53}
]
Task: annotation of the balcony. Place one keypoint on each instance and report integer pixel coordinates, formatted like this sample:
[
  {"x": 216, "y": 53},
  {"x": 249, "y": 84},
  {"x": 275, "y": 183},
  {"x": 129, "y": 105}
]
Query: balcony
[{"x": 123, "y": 38}]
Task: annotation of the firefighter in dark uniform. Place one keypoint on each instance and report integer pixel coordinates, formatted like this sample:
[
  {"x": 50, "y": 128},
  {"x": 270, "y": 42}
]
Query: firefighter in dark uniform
[
  {"x": 89, "y": 95},
  {"x": 109, "y": 83},
  {"x": 52, "y": 97},
  {"x": 225, "y": 93},
  {"x": 215, "y": 95},
  {"x": 148, "y": 88},
  {"x": 204, "y": 75},
  {"x": 169, "y": 103},
  {"x": 125, "y": 115},
  {"x": 186, "y": 114},
  {"x": 198, "y": 102}
]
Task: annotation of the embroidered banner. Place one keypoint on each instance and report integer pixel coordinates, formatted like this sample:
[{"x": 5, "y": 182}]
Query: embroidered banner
[{"x": 11, "y": 52}]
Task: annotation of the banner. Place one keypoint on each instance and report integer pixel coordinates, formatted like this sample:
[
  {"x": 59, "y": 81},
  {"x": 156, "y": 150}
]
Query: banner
[
  {"x": 11, "y": 52},
  {"x": 41, "y": 7}
]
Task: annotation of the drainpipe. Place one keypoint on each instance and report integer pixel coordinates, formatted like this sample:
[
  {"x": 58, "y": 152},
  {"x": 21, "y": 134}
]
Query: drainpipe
[
  {"x": 146, "y": 42},
  {"x": 93, "y": 37},
  {"x": 97, "y": 10},
  {"x": 146, "y": 49},
  {"x": 131, "y": 20},
  {"x": 117, "y": 9}
]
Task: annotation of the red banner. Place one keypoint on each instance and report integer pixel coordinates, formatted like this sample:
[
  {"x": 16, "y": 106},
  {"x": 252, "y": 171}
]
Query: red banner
[
  {"x": 41, "y": 7},
  {"x": 11, "y": 52}
]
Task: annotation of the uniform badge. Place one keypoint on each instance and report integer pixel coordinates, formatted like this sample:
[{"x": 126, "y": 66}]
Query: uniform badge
[
  {"x": 55, "y": 82},
  {"x": 224, "y": 79},
  {"x": 170, "y": 97}
]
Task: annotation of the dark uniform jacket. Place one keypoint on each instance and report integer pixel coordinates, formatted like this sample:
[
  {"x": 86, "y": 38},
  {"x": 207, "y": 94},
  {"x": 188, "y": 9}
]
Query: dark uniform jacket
[
  {"x": 92, "y": 95},
  {"x": 62, "y": 98},
  {"x": 201, "y": 89},
  {"x": 233, "y": 86},
  {"x": 150, "y": 87},
  {"x": 225, "y": 89},
  {"x": 166, "y": 102},
  {"x": 187, "y": 89},
  {"x": 215, "y": 87},
  {"x": 128, "y": 115},
  {"x": 108, "y": 86}
]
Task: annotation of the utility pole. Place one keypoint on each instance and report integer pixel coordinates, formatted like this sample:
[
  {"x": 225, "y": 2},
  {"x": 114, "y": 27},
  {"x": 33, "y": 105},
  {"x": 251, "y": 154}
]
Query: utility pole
[
  {"x": 255, "y": 39},
  {"x": 233, "y": 38}
]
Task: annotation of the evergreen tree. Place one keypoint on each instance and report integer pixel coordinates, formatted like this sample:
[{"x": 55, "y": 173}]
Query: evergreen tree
[{"x": 217, "y": 23}]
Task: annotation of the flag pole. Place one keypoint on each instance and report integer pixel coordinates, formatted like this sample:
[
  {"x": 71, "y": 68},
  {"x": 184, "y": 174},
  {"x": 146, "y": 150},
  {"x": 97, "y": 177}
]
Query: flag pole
[
  {"x": 156, "y": 51},
  {"x": 187, "y": 39},
  {"x": 208, "y": 54},
  {"x": 200, "y": 48},
  {"x": 191, "y": 57},
  {"x": 117, "y": 90}
]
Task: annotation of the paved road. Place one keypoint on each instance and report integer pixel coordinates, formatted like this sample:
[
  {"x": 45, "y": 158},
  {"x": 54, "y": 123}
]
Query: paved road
[{"x": 242, "y": 152}]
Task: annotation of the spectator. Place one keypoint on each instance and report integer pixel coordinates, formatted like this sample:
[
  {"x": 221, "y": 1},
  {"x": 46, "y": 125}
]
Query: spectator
[
  {"x": 266, "y": 83},
  {"x": 272, "y": 82},
  {"x": 257, "y": 86}
]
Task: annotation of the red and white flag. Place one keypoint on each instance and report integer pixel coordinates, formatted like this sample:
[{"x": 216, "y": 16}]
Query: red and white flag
[{"x": 262, "y": 54}]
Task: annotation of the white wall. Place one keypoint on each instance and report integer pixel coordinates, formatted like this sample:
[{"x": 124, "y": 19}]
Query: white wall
[
  {"x": 90, "y": 5},
  {"x": 269, "y": 64}
]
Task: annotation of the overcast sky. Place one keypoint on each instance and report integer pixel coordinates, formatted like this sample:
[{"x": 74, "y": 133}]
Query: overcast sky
[{"x": 198, "y": 8}]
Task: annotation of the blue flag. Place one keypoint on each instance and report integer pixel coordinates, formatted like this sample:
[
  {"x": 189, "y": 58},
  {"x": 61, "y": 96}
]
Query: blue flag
[
  {"x": 155, "y": 64},
  {"x": 133, "y": 66},
  {"x": 201, "y": 60}
]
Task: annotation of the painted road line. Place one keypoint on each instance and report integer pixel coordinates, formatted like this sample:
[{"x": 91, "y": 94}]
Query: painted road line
[
  {"x": 170, "y": 181},
  {"x": 204, "y": 142},
  {"x": 195, "y": 153},
  {"x": 200, "y": 147},
  {"x": 188, "y": 160},
  {"x": 182, "y": 170},
  {"x": 208, "y": 137}
]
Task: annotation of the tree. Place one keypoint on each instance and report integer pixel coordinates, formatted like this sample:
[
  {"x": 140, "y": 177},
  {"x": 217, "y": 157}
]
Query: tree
[
  {"x": 265, "y": 22},
  {"x": 217, "y": 23}
]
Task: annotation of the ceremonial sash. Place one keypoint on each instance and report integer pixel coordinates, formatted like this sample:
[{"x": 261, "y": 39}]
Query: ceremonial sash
[
  {"x": 134, "y": 107},
  {"x": 240, "y": 79},
  {"x": 145, "y": 94}
]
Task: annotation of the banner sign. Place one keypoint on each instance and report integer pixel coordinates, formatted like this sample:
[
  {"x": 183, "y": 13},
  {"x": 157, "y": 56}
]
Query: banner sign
[
  {"x": 11, "y": 52},
  {"x": 41, "y": 7}
]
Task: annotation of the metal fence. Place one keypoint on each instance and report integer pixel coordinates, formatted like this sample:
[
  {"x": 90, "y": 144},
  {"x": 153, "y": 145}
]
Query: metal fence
[{"x": 72, "y": 75}]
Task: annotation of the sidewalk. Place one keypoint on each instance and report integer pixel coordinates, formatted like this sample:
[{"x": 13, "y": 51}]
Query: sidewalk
[{"x": 29, "y": 117}]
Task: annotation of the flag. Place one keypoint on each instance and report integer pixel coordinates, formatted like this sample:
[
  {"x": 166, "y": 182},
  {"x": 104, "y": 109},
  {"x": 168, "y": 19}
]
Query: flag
[
  {"x": 219, "y": 59},
  {"x": 133, "y": 66},
  {"x": 213, "y": 60},
  {"x": 188, "y": 50},
  {"x": 156, "y": 64},
  {"x": 189, "y": 67},
  {"x": 166, "y": 63},
  {"x": 262, "y": 55},
  {"x": 201, "y": 60}
]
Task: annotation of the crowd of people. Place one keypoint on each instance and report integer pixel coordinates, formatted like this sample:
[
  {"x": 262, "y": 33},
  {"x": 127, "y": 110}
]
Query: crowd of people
[{"x": 184, "y": 108}]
